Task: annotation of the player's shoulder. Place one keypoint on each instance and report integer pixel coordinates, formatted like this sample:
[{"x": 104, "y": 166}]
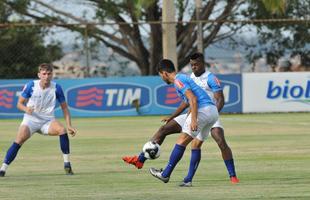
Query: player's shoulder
[{"x": 28, "y": 85}]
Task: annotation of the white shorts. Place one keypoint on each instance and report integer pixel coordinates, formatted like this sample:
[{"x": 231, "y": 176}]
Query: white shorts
[
  {"x": 37, "y": 126},
  {"x": 207, "y": 116}
]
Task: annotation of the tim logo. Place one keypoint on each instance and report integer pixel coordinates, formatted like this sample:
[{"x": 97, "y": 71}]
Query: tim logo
[
  {"x": 166, "y": 96},
  {"x": 289, "y": 92},
  {"x": 9, "y": 97},
  {"x": 108, "y": 97}
]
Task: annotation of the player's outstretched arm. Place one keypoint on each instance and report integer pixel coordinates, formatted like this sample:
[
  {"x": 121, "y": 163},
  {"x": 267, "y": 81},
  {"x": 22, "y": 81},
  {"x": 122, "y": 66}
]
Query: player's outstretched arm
[{"x": 66, "y": 112}]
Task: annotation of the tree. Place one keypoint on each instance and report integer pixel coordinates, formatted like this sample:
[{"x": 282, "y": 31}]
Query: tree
[
  {"x": 281, "y": 38},
  {"x": 22, "y": 49},
  {"x": 140, "y": 43}
]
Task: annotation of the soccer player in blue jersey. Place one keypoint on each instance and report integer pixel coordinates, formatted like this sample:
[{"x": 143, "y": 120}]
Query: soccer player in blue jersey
[
  {"x": 211, "y": 84},
  {"x": 199, "y": 120},
  {"x": 38, "y": 101}
]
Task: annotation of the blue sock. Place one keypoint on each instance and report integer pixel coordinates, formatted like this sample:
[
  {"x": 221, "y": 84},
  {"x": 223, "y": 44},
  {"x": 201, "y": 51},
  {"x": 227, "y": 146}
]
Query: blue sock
[
  {"x": 175, "y": 156},
  {"x": 230, "y": 167},
  {"x": 11, "y": 153},
  {"x": 195, "y": 159},
  {"x": 64, "y": 143},
  {"x": 142, "y": 158}
]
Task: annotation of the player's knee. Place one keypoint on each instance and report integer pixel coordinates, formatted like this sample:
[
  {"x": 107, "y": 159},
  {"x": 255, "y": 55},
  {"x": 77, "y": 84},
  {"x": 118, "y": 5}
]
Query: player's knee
[
  {"x": 163, "y": 131},
  {"x": 61, "y": 130}
]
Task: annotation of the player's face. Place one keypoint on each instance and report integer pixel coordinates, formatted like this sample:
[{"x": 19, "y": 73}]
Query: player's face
[
  {"x": 198, "y": 67},
  {"x": 45, "y": 76},
  {"x": 164, "y": 76}
]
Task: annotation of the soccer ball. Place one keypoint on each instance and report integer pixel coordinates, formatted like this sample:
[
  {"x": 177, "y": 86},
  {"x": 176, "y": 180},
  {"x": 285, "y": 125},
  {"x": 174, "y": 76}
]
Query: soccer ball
[{"x": 151, "y": 150}]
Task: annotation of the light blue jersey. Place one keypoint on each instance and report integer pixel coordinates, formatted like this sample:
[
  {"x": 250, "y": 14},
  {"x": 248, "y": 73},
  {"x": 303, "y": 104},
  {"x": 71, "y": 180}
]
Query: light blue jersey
[{"x": 183, "y": 82}]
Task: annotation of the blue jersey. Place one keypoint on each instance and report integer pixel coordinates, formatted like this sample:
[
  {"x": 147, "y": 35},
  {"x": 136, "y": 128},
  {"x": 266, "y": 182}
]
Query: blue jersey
[{"x": 183, "y": 83}]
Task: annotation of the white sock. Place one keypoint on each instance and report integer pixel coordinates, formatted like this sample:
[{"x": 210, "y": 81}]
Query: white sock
[
  {"x": 66, "y": 158},
  {"x": 4, "y": 167}
]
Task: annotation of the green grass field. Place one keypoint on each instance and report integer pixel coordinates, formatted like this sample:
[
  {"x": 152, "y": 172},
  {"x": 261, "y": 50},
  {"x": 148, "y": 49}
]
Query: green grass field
[{"x": 271, "y": 151}]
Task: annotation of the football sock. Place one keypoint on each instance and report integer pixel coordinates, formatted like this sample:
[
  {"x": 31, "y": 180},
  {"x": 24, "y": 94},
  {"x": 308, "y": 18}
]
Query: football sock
[
  {"x": 230, "y": 167},
  {"x": 142, "y": 158},
  {"x": 66, "y": 158},
  {"x": 11, "y": 153},
  {"x": 195, "y": 159},
  {"x": 64, "y": 143},
  {"x": 4, "y": 167},
  {"x": 175, "y": 157}
]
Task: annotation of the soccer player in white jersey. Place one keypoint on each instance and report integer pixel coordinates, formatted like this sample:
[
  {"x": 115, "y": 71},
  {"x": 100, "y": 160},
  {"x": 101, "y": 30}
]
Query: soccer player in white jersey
[
  {"x": 38, "y": 101},
  {"x": 174, "y": 123}
]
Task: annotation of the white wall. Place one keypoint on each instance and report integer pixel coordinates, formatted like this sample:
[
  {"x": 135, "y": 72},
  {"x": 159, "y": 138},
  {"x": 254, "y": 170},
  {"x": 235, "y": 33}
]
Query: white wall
[{"x": 276, "y": 92}]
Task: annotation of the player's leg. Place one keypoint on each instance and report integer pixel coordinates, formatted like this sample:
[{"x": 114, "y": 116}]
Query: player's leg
[
  {"x": 176, "y": 155},
  {"x": 173, "y": 126},
  {"x": 217, "y": 133},
  {"x": 22, "y": 135},
  {"x": 55, "y": 128},
  {"x": 206, "y": 119},
  {"x": 194, "y": 162}
]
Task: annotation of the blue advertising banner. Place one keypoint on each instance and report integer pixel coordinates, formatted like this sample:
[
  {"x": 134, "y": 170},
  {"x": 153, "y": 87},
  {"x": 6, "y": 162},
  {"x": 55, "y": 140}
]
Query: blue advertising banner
[{"x": 129, "y": 96}]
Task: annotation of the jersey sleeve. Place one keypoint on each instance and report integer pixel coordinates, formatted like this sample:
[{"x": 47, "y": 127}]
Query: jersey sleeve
[
  {"x": 181, "y": 84},
  {"x": 60, "y": 94},
  {"x": 27, "y": 90},
  {"x": 214, "y": 83}
]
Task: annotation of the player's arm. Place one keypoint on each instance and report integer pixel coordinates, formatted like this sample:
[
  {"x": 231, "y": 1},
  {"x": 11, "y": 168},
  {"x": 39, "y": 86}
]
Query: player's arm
[
  {"x": 178, "y": 111},
  {"x": 23, "y": 98},
  {"x": 67, "y": 117},
  {"x": 61, "y": 99},
  {"x": 192, "y": 100},
  {"x": 215, "y": 85},
  {"x": 220, "y": 100},
  {"x": 21, "y": 105}
]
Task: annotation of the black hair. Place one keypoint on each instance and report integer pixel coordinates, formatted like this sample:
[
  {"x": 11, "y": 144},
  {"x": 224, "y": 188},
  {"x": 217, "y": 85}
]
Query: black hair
[
  {"x": 165, "y": 65},
  {"x": 197, "y": 56}
]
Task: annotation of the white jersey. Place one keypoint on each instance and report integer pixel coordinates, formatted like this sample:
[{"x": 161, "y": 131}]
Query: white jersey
[
  {"x": 42, "y": 100},
  {"x": 208, "y": 82}
]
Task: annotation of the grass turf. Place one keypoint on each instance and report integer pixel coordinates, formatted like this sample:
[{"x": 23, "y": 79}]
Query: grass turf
[{"x": 271, "y": 153}]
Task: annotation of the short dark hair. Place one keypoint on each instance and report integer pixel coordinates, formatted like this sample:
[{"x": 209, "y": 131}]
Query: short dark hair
[
  {"x": 46, "y": 66},
  {"x": 165, "y": 65},
  {"x": 197, "y": 56}
]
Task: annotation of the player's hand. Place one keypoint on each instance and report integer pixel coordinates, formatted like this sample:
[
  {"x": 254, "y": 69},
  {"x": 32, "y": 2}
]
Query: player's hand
[
  {"x": 71, "y": 131},
  {"x": 194, "y": 126},
  {"x": 166, "y": 119},
  {"x": 29, "y": 110}
]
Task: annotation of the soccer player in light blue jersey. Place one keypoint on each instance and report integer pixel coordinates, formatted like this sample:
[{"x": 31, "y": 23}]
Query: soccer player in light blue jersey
[
  {"x": 199, "y": 120},
  {"x": 38, "y": 101},
  {"x": 209, "y": 82}
]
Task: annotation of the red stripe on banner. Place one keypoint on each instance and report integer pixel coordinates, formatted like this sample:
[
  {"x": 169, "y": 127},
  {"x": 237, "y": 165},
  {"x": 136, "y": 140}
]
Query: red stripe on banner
[
  {"x": 6, "y": 105},
  {"x": 6, "y": 99},
  {"x": 171, "y": 95},
  {"x": 7, "y": 92},
  {"x": 88, "y": 97},
  {"x": 90, "y": 102},
  {"x": 172, "y": 101},
  {"x": 91, "y": 90},
  {"x": 170, "y": 89}
]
